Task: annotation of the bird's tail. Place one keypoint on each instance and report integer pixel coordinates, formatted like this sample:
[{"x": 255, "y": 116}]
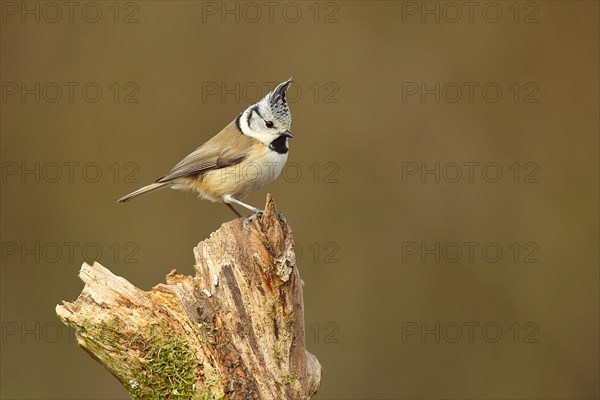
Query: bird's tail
[{"x": 144, "y": 190}]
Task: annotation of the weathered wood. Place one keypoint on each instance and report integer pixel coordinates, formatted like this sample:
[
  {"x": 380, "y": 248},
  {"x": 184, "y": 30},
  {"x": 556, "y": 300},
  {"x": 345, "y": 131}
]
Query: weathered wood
[{"x": 233, "y": 331}]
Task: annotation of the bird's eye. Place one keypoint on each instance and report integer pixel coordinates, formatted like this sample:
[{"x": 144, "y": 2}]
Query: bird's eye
[{"x": 269, "y": 124}]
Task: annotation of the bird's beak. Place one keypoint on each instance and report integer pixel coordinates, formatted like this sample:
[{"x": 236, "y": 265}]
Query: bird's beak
[{"x": 288, "y": 134}]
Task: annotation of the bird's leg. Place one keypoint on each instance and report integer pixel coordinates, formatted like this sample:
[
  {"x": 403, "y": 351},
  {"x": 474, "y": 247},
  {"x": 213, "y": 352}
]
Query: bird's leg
[
  {"x": 232, "y": 208},
  {"x": 230, "y": 199},
  {"x": 257, "y": 211}
]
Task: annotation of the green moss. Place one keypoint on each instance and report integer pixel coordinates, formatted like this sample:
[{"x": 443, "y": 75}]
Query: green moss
[
  {"x": 163, "y": 366},
  {"x": 286, "y": 380},
  {"x": 277, "y": 351},
  {"x": 209, "y": 328},
  {"x": 168, "y": 370}
]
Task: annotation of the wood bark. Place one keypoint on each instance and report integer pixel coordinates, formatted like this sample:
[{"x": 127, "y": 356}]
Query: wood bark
[{"x": 233, "y": 331}]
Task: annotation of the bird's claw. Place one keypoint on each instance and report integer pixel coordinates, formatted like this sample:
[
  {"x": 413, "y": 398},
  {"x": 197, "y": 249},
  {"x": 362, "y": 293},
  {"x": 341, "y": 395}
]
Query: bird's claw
[
  {"x": 259, "y": 214},
  {"x": 250, "y": 218},
  {"x": 281, "y": 217}
]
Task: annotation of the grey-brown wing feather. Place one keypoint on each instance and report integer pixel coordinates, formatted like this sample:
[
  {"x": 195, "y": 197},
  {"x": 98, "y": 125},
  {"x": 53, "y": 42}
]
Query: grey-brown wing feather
[{"x": 227, "y": 148}]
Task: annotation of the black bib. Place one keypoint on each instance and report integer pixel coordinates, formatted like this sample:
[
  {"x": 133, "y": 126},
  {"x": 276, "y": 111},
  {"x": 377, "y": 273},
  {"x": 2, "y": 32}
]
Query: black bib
[{"x": 279, "y": 144}]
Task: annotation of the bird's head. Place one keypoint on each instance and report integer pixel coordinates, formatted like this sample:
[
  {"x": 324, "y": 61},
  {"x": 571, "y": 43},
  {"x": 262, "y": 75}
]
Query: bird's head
[{"x": 270, "y": 117}]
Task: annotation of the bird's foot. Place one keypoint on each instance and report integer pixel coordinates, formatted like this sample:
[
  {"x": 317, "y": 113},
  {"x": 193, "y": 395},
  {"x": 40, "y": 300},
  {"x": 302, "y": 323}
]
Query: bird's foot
[
  {"x": 257, "y": 214},
  {"x": 281, "y": 217}
]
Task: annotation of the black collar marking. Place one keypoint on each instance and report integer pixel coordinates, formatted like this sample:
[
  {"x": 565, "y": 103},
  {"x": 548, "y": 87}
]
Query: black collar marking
[
  {"x": 250, "y": 115},
  {"x": 257, "y": 113},
  {"x": 279, "y": 144},
  {"x": 237, "y": 123}
]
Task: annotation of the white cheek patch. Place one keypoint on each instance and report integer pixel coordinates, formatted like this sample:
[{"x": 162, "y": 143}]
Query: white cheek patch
[
  {"x": 266, "y": 137},
  {"x": 251, "y": 124}
]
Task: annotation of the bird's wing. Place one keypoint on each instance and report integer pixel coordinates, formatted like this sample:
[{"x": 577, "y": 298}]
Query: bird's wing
[{"x": 227, "y": 148}]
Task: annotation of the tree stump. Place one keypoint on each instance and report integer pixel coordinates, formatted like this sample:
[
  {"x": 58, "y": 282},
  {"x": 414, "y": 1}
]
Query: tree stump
[{"x": 233, "y": 331}]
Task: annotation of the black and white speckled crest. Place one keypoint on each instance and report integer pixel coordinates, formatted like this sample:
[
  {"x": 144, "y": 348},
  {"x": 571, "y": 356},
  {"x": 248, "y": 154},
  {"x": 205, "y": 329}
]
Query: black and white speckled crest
[{"x": 278, "y": 103}]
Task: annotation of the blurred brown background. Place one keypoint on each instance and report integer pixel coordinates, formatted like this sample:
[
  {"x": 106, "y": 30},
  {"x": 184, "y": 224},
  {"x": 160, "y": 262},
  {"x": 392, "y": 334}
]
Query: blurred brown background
[{"x": 125, "y": 90}]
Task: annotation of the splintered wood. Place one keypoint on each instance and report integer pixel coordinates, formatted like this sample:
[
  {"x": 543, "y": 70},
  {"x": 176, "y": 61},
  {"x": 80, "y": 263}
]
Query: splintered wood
[{"x": 233, "y": 331}]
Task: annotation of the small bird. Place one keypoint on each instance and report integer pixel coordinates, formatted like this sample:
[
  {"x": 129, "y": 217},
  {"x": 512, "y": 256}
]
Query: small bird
[{"x": 246, "y": 155}]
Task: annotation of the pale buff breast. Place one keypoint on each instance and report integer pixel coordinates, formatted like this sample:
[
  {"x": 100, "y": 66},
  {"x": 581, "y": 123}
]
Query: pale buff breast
[{"x": 260, "y": 168}]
